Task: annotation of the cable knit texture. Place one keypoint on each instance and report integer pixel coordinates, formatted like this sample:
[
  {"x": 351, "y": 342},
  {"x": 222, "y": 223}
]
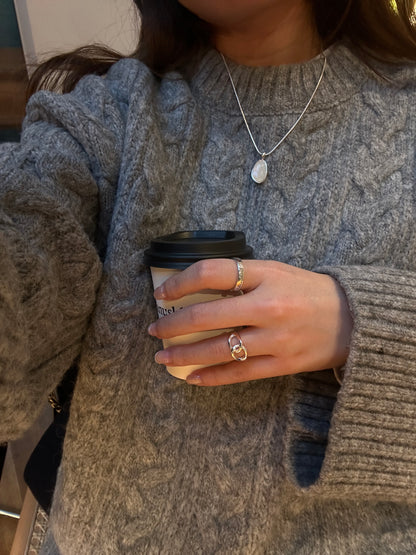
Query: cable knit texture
[{"x": 290, "y": 465}]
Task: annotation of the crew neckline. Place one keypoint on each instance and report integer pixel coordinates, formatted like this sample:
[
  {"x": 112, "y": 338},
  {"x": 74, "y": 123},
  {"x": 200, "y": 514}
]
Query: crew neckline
[{"x": 278, "y": 89}]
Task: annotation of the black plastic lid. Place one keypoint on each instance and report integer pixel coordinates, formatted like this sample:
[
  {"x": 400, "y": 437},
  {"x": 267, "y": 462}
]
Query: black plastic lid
[{"x": 183, "y": 248}]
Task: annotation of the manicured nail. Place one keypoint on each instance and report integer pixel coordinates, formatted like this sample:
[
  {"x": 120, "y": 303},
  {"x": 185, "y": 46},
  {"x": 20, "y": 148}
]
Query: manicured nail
[
  {"x": 160, "y": 292},
  {"x": 151, "y": 330},
  {"x": 194, "y": 379},
  {"x": 161, "y": 357}
]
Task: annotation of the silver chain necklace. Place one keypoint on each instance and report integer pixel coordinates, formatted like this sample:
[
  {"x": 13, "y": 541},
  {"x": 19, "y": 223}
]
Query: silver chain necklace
[{"x": 259, "y": 171}]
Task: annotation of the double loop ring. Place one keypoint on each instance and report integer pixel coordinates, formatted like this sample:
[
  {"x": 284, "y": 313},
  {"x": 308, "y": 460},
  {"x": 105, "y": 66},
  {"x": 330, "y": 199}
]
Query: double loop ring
[{"x": 237, "y": 348}]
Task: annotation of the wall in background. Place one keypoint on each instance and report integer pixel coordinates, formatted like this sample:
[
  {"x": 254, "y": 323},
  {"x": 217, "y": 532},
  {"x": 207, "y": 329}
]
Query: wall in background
[
  {"x": 46, "y": 27},
  {"x": 51, "y": 26}
]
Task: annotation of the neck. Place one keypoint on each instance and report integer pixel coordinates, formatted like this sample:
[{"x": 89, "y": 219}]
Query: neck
[{"x": 281, "y": 34}]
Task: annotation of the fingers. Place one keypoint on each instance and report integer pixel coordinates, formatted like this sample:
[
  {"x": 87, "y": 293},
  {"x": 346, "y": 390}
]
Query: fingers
[
  {"x": 214, "y": 274},
  {"x": 236, "y": 372},
  {"x": 221, "y": 368},
  {"x": 215, "y": 350},
  {"x": 291, "y": 320},
  {"x": 224, "y": 313}
]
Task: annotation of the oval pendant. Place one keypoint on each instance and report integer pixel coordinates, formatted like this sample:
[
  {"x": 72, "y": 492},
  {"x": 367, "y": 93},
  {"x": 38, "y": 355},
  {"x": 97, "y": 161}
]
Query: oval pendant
[{"x": 259, "y": 171}]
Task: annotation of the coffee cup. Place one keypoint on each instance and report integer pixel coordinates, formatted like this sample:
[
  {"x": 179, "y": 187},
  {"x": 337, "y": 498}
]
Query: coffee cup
[{"x": 173, "y": 253}]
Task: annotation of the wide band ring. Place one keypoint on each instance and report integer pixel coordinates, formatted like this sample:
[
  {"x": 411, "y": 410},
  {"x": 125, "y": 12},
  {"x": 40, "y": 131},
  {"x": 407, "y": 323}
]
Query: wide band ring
[
  {"x": 237, "y": 348},
  {"x": 240, "y": 277}
]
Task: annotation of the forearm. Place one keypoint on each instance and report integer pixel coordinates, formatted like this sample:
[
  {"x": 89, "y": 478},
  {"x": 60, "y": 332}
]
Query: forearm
[{"x": 50, "y": 269}]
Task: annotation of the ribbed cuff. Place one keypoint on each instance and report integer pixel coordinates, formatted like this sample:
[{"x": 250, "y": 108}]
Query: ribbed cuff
[{"x": 370, "y": 445}]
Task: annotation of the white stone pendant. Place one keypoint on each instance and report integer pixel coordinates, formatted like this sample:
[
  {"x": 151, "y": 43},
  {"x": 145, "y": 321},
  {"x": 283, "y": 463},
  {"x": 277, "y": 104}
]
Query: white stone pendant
[{"x": 259, "y": 171}]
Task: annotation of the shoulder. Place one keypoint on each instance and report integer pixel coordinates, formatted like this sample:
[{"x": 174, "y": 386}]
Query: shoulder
[
  {"x": 367, "y": 71},
  {"x": 130, "y": 78},
  {"x": 402, "y": 75},
  {"x": 395, "y": 76},
  {"x": 93, "y": 97},
  {"x": 392, "y": 92},
  {"x": 96, "y": 108},
  {"x": 136, "y": 90},
  {"x": 137, "y": 86},
  {"x": 388, "y": 89}
]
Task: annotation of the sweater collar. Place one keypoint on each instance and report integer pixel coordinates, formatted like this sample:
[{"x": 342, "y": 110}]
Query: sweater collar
[{"x": 277, "y": 89}]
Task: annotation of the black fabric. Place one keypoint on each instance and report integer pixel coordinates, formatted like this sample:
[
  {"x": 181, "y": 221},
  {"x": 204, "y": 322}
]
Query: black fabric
[
  {"x": 42, "y": 467},
  {"x": 3, "y": 451}
]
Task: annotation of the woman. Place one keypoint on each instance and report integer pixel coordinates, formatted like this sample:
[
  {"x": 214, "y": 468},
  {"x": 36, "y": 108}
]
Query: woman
[{"x": 294, "y": 464}]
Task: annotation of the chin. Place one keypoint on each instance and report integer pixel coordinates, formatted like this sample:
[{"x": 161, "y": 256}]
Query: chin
[{"x": 231, "y": 12}]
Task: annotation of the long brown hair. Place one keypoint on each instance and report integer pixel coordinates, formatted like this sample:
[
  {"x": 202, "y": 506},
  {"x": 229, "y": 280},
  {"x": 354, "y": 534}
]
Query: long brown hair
[{"x": 171, "y": 38}]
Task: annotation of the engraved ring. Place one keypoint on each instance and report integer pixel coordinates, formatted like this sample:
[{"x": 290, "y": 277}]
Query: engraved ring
[
  {"x": 237, "y": 348},
  {"x": 240, "y": 277}
]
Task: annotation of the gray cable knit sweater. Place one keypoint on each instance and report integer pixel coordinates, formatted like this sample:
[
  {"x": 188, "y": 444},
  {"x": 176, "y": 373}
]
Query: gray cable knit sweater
[{"x": 291, "y": 465}]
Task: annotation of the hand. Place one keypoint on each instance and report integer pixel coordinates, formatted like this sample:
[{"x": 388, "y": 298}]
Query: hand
[{"x": 292, "y": 320}]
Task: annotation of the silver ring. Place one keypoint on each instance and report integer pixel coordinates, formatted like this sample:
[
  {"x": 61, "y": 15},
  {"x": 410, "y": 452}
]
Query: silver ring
[
  {"x": 237, "y": 348},
  {"x": 240, "y": 277}
]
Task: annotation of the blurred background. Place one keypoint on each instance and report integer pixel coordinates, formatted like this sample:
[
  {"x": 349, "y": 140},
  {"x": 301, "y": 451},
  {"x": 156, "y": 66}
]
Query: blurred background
[
  {"x": 32, "y": 30},
  {"x": 12, "y": 73}
]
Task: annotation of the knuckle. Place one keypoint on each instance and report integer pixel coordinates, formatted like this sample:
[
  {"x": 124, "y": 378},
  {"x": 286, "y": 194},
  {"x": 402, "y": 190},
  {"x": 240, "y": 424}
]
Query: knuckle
[
  {"x": 171, "y": 286},
  {"x": 219, "y": 376},
  {"x": 239, "y": 373},
  {"x": 282, "y": 344},
  {"x": 194, "y": 315},
  {"x": 203, "y": 271},
  {"x": 178, "y": 356},
  {"x": 277, "y": 307},
  {"x": 268, "y": 307},
  {"x": 219, "y": 350}
]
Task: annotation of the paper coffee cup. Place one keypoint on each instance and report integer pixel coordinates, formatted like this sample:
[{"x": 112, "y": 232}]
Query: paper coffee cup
[{"x": 173, "y": 253}]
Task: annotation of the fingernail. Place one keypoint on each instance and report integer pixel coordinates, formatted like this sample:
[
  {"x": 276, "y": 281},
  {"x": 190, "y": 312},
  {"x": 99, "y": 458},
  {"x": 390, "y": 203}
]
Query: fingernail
[
  {"x": 160, "y": 292},
  {"x": 151, "y": 330},
  {"x": 194, "y": 379},
  {"x": 161, "y": 357}
]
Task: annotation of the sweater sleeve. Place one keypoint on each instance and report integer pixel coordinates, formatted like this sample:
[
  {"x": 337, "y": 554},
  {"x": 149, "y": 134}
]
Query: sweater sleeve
[
  {"x": 359, "y": 440},
  {"x": 50, "y": 269}
]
